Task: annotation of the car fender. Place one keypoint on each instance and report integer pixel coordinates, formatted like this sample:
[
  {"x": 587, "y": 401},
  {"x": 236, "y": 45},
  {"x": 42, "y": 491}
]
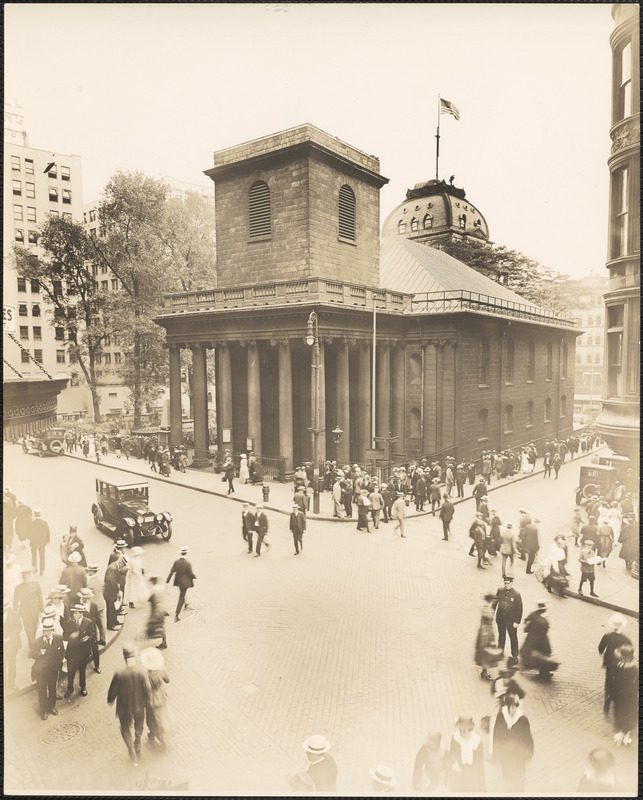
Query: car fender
[
  {"x": 167, "y": 516},
  {"x": 131, "y": 523}
]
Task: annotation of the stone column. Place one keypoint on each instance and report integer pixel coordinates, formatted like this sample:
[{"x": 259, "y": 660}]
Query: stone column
[
  {"x": 449, "y": 400},
  {"x": 342, "y": 387},
  {"x": 383, "y": 396},
  {"x": 429, "y": 412},
  {"x": 254, "y": 397},
  {"x": 322, "y": 402},
  {"x": 364, "y": 398},
  {"x": 285, "y": 406},
  {"x": 439, "y": 394},
  {"x": 176, "y": 415},
  {"x": 224, "y": 412},
  {"x": 200, "y": 405},
  {"x": 398, "y": 410}
]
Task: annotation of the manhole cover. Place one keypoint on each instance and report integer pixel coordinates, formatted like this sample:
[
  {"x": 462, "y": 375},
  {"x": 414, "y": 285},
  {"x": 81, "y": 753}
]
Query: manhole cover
[{"x": 63, "y": 733}]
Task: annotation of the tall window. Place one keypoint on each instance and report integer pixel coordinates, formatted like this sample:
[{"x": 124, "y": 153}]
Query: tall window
[
  {"x": 620, "y": 207},
  {"x": 15, "y": 163},
  {"x": 623, "y": 56},
  {"x": 346, "y": 212},
  {"x": 17, "y": 187},
  {"x": 547, "y": 409},
  {"x": 509, "y": 360},
  {"x": 415, "y": 426},
  {"x": 415, "y": 369},
  {"x": 530, "y": 413},
  {"x": 17, "y": 212},
  {"x": 563, "y": 406},
  {"x": 31, "y": 190},
  {"x": 483, "y": 362},
  {"x": 615, "y": 318},
  {"x": 67, "y": 196},
  {"x": 65, "y": 173},
  {"x": 508, "y": 420},
  {"x": 428, "y": 221},
  {"x": 53, "y": 194},
  {"x": 463, "y": 220},
  {"x": 29, "y": 166},
  {"x": 259, "y": 209},
  {"x": 19, "y": 235},
  {"x": 483, "y": 422},
  {"x": 414, "y": 224},
  {"x": 564, "y": 355},
  {"x": 401, "y": 226},
  {"x": 634, "y": 356},
  {"x": 549, "y": 362}
]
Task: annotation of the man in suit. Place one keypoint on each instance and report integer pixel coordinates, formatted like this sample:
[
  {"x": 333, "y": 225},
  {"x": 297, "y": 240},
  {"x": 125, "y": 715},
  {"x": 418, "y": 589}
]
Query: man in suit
[
  {"x": 261, "y": 526},
  {"x": 297, "y": 526},
  {"x": 117, "y": 552},
  {"x": 130, "y": 688},
  {"x": 115, "y": 577},
  {"x": 92, "y": 613},
  {"x": 73, "y": 576},
  {"x": 97, "y": 585},
  {"x": 81, "y": 632},
  {"x": 508, "y": 616},
  {"x": 184, "y": 578},
  {"x": 48, "y": 652},
  {"x": 11, "y": 627},
  {"x": 447, "y": 510},
  {"x": 27, "y": 602},
  {"x": 39, "y": 538},
  {"x": 247, "y": 525}
]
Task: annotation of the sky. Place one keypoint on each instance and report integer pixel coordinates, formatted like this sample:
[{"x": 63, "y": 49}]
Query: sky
[{"x": 161, "y": 87}]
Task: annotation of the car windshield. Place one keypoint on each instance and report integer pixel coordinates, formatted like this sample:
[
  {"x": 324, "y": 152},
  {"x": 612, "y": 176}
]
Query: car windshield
[{"x": 133, "y": 493}]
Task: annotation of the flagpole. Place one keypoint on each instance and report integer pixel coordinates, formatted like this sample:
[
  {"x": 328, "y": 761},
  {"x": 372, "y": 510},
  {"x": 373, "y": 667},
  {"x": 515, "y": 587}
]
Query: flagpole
[{"x": 437, "y": 142}]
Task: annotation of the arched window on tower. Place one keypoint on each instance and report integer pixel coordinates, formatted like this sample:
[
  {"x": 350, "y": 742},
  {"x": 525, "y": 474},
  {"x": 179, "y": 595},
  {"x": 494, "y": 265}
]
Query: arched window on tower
[
  {"x": 483, "y": 422},
  {"x": 463, "y": 220},
  {"x": 401, "y": 226},
  {"x": 346, "y": 212},
  {"x": 415, "y": 369},
  {"x": 259, "y": 209},
  {"x": 428, "y": 222},
  {"x": 531, "y": 363},
  {"x": 414, "y": 224},
  {"x": 415, "y": 426}
]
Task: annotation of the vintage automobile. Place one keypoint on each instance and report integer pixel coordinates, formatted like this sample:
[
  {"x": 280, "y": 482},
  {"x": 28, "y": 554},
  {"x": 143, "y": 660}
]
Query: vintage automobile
[
  {"x": 621, "y": 463},
  {"x": 596, "y": 479},
  {"x": 50, "y": 442},
  {"x": 122, "y": 510}
]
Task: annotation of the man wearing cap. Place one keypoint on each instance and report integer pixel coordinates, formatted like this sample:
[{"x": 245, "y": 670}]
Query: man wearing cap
[
  {"x": 297, "y": 526},
  {"x": 609, "y": 643},
  {"x": 27, "y": 602},
  {"x": 338, "y": 510},
  {"x": 434, "y": 495},
  {"x": 48, "y": 653},
  {"x": 479, "y": 491},
  {"x": 92, "y": 614},
  {"x": 247, "y": 525},
  {"x": 447, "y": 510},
  {"x": 74, "y": 576},
  {"x": 383, "y": 779},
  {"x": 117, "y": 552},
  {"x": 115, "y": 577},
  {"x": 130, "y": 688},
  {"x": 184, "y": 578},
  {"x": 81, "y": 632},
  {"x": 508, "y": 616},
  {"x": 11, "y": 627},
  {"x": 97, "y": 585},
  {"x": 322, "y": 767},
  {"x": 587, "y": 558},
  {"x": 39, "y": 538},
  {"x": 261, "y": 526}
]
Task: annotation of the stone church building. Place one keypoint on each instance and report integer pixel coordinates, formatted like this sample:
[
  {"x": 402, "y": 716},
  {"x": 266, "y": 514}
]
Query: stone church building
[{"x": 407, "y": 347}]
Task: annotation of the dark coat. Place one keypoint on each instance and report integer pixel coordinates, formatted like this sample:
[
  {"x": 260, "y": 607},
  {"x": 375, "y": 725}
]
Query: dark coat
[
  {"x": 23, "y": 522},
  {"x": 515, "y": 745},
  {"x": 76, "y": 647},
  {"x": 469, "y": 777},
  {"x": 297, "y": 523},
  {"x": 530, "y": 537},
  {"x": 27, "y": 599},
  {"x": 130, "y": 688},
  {"x": 183, "y": 576},
  {"x": 447, "y": 510},
  {"x": 75, "y": 577},
  {"x": 114, "y": 582},
  {"x": 608, "y": 644},
  {"x": 509, "y": 608},
  {"x": 247, "y": 523},
  {"x": 39, "y": 533},
  {"x": 261, "y": 523},
  {"x": 536, "y": 642},
  {"x": 48, "y": 657}
]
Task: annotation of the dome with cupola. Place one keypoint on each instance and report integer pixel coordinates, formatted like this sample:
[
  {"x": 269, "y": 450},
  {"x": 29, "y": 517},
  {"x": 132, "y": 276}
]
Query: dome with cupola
[{"x": 436, "y": 211}]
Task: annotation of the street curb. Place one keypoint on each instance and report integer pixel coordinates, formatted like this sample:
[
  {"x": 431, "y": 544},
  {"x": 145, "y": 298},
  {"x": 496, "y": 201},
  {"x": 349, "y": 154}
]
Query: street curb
[{"x": 596, "y": 601}]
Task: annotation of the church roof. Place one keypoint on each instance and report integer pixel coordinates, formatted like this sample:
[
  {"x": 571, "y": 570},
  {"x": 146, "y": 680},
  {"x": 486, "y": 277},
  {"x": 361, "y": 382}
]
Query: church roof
[{"x": 408, "y": 266}]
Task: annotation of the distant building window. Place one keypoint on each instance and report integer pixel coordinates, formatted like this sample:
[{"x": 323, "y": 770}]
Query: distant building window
[
  {"x": 462, "y": 219},
  {"x": 37, "y": 354},
  {"x": 563, "y": 361},
  {"x": 563, "y": 406},
  {"x": 58, "y": 288},
  {"x": 24, "y": 356},
  {"x": 415, "y": 424},
  {"x": 19, "y": 235},
  {"x": 549, "y": 363},
  {"x": 346, "y": 212},
  {"x": 483, "y": 361},
  {"x": 104, "y": 285},
  {"x": 483, "y": 421},
  {"x": 623, "y": 69},
  {"x": 114, "y": 283},
  {"x": 29, "y": 166},
  {"x": 530, "y": 413},
  {"x": 35, "y": 311},
  {"x": 117, "y": 358},
  {"x": 53, "y": 194},
  {"x": 590, "y": 321},
  {"x": 67, "y": 216},
  {"x": 35, "y": 285},
  {"x": 17, "y": 212},
  {"x": 108, "y": 358},
  {"x": 259, "y": 209},
  {"x": 65, "y": 173},
  {"x": 579, "y": 359},
  {"x": 428, "y": 221},
  {"x": 31, "y": 214},
  {"x": 33, "y": 237},
  {"x": 401, "y": 226},
  {"x": 60, "y": 356},
  {"x": 52, "y": 171},
  {"x": 37, "y": 333},
  {"x": 509, "y": 360},
  {"x": 60, "y": 334},
  {"x": 15, "y": 163},
  {"x": 103, "y": 270},
  {"x": 16, "y": 187},
  {"x": 588, "y": 358},
  {"x": 98, "y": 358},
  {"x": 24, "y": 332},
  {"x": 67, "y": 196},
  {"x": 30, "y": 190},
  {"x": 414, "y": 224},
  {"x": 620, "y": 205},
  {"x": 547, "y": 409},
  {"x": 22, "y": 284},
  {"x": 597, "y": 340},
  {"x": 53, "y": 213},
  {"x": 73, "y": 358},
  {"x": 22, "y": 310},
  {"x": 94, "y": 269},
  {"x": 92, "y": 215},
  {"x": 597, "y": 358},
  {"x": 589, "y": 340},
  {"x": 508, "y": 419}
]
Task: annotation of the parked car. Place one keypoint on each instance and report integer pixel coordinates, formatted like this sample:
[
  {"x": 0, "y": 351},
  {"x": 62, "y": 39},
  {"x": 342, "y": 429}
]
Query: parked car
[
  {"x": 596, "y": 479},
  {"x": 50, "y": 442},
  {"x": 123, "y": 511}
]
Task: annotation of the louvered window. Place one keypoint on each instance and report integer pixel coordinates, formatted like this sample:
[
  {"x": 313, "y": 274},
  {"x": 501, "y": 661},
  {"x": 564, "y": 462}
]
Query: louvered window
[
  {"x": 346, "y": 212},
  {"x": 259, "y": 209}
]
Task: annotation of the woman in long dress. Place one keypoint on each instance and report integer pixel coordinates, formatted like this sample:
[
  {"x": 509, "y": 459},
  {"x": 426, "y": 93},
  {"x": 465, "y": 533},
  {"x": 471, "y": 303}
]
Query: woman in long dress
[
  {"x": 485, "y": 656},
  {"x": 624, "y": 692},
  {"x": 244, "y": 471},
  {"x": 137, "y": 586}
]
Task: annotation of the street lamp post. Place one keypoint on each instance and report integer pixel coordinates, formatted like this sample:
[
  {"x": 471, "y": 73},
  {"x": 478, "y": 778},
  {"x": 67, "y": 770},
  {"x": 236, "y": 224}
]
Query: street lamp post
[
  {"x": 312, "y": 340},
  {"x": 337, "y": 439}
]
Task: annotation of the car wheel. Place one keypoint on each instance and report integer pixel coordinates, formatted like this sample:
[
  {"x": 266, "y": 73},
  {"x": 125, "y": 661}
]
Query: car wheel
[
  {"x": 41, "y": 451},
  {"x": 167, "y": 533},
  {"x": 56, "y": 446},
  {"x": 97, "y": 518},
  {"x": 129, "y": 536},
  {"x": 25, "y": 449},
  {"x": 589, "y": 490}
]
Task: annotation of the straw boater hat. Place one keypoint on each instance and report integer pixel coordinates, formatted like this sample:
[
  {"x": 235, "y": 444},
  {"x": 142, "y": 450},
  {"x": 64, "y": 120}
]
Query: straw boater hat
[
  {"x": 47, "y": 624},
  {"x": 74, "y": 557},
  {"x": 92, "y": 568},
  {"x": 617, "y": 622},
  {"x": 37, "y": 513},
  {"x": 316, "y": 744},
  {"x": 85, "y": 593},
  {"x": 184, "y": 550},
  {"x": 382, "y": 774},
  {"x": 62, "y": 588},
  {"x": 119, "y": 544},
  {"x": 77, "y": 609},
  {"x": 49, "y": 612},
  {"x": 152, "y": 658}
]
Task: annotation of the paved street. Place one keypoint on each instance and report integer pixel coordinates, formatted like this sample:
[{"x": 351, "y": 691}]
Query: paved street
[{"x": 365, "y": 638}]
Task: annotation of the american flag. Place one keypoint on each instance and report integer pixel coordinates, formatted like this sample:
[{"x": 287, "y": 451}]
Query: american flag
[{"x": 448, "y": 108}]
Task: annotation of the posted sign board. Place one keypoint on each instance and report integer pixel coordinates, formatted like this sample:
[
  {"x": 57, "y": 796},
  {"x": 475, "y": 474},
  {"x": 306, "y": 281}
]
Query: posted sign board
[{"x": 9, "y": 319}]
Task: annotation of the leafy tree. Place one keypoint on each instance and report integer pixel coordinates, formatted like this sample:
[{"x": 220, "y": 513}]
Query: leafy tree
[
  {"x": 189, "y": 239},
  {"x": 527, "y": 277},
  {"x": 63, "y": 270}
]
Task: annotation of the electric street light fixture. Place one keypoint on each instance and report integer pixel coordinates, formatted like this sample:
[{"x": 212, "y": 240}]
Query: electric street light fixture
[{"x": 337, "y": 439}]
